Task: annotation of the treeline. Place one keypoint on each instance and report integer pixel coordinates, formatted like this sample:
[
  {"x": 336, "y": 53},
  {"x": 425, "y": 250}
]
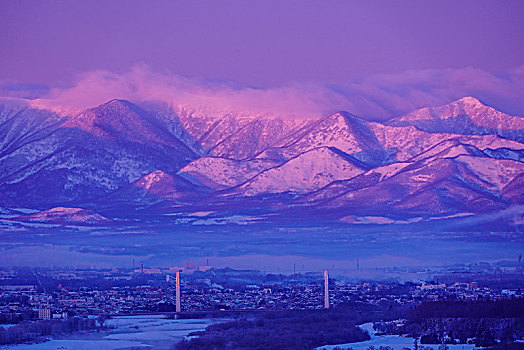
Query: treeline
[
  {"x": 16, "y": 317},
  {"x": 363, "y": 312},
  {"x": 484, "y": 322},
  {"x": 32, "y": 331},
  {"x": 278, "y": 330},
  {"x": 483, "y": 332},
  {"x": 508, "y": 308},
  {"x": 514, "y": 346}
]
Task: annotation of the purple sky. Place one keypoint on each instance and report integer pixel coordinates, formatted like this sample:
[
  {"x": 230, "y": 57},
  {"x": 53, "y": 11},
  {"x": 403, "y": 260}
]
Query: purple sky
[{"x": 266, "y": 44}]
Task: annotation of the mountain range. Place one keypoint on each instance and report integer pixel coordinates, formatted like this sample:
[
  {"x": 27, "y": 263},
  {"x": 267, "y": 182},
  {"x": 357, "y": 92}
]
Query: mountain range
[{"x": 125, "y": 160}]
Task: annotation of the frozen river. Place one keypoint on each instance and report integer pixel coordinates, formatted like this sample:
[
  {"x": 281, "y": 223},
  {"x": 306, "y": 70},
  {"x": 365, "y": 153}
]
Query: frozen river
[
  {"x": 156, "y": 332},
  {"x": 138, "y": 332}
]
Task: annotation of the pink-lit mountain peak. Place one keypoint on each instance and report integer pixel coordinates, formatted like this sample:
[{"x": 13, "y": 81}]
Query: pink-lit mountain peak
[
  {"x": 478, "y": 112},
  {"x": 122, "y": 120},
  {"x": 468, "y": 105},
  {"x": 466, "y": 116},
  {"x": 341, "y": 130},
  {"x": 469, "y": 102},
  {"x": 115, "y": 112},
  {"x": 342, "y": 119}
]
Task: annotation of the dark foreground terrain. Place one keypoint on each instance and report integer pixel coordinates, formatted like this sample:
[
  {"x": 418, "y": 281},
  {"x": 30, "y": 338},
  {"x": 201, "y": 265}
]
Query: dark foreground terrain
[{"x": 496, "y": 324}]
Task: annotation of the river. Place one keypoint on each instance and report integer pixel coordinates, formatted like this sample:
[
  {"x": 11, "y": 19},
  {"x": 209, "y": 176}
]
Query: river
[{"x": 138, "y": 332}]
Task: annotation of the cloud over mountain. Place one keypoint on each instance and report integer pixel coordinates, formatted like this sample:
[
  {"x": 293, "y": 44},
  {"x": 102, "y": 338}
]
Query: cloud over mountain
[
  {"x": 206, "y": 96},
  {"x": 377, "y": 97}
]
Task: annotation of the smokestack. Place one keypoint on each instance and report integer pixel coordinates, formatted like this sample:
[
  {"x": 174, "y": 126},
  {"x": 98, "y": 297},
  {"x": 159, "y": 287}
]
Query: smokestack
[
  {"x": 177, "y": 291},
  {"x": 326, "y": 289}
]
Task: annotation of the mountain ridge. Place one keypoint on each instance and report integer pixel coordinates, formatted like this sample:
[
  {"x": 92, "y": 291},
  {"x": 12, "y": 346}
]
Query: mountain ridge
[
  {"x": 467, "y": 115},
  {"x": 140, "y": 155}
]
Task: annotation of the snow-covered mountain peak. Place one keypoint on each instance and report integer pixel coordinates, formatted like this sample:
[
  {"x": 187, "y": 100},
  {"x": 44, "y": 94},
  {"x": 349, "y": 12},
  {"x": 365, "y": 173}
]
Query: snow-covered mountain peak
[
  {"x": 341, "y": 130},
  {"x": 112, "y": 111},
  {"x": 466, "y": 106},
  {"x": 118, "y": 105},
  {"x": 343, "y": 117},
  {"x": 122, "y": 121},
  {"x": 114, "y": 114},
  {"x": 466, "y": 116},
  {"x": 470, "y": 101}
]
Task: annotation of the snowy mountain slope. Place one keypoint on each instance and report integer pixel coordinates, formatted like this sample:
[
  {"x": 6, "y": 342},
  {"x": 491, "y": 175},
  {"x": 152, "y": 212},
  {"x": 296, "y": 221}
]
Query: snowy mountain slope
[
  {"x": 440, "y": 187},
  {"x": 239, "y": 136},
  {"x": 154, "y": 158},
  {"x": 449, "y": 149},
  {"x": 364, "y": 180},
  {"x": 472, "y": 171},
  {"x": 404, "y": 143},
  {"x": 514, "y": 190},
  {"x": 20, "y": 127},
  {"x": 449, "y": 197},
  {"x": 338, "y": 188},
  {"x": 167, "y": 118},
  {"x": 87, "y": 156},
  {"x": 496, "y": 173},
  {"x": 220, "y": 173},
  {"x": 254, "y": 137},
  {"x": 466, "y": 116},
  {"x": 122, "y": 121},
  {"x": 10, "y": 106},
  {"x": 372, "y": 143},
  {"x": 342, "y": 131},
  {"x": 306, "y": 172},
  {"x": 155, "y": 187}
]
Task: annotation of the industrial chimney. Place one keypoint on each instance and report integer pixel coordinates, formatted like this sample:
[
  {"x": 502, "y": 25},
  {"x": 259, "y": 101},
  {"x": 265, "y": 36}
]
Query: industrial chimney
[
  {"x": 177, "y": 291},
  {"x": 326, "y": 289}
]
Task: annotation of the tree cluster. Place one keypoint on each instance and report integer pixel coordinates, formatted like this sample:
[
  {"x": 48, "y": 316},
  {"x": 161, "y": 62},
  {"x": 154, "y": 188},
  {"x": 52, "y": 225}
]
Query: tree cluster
[
  {"x": 286, "y": 330},
  {"x": 484, "y": 322},
  {"x": 32, "y": 331}
]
